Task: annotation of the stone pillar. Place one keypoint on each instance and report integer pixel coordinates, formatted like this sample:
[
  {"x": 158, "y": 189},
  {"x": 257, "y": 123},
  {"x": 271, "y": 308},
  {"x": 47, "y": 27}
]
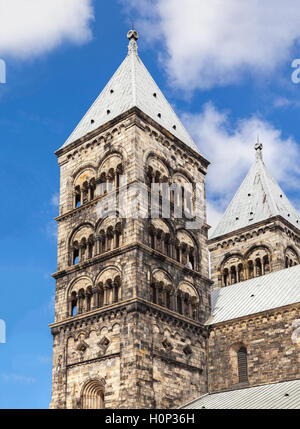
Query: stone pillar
[
  {"x": 165, "y": 296},
  {"x": 190, "y": 307},
  {"x": 95, "y": 299}
]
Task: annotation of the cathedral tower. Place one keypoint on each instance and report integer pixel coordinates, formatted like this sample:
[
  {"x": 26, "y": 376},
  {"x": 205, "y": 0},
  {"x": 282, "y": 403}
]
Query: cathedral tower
[
  {"x": 132, "y": 292},
  {"x": 259, "y": 232}
]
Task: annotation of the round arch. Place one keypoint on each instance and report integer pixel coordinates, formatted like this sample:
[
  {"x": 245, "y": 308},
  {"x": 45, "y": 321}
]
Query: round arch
[{"x": 93, "y": 394}]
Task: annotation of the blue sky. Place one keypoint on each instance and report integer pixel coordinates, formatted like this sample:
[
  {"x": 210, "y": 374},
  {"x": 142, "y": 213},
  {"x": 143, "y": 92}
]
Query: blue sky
[{"x": 227, "y": 89}]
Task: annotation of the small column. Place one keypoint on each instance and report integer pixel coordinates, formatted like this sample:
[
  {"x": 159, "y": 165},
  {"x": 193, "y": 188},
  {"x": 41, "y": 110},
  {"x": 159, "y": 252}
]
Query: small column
[
  {"x": 179, "y": 302},
  {"x": 190, "y": 307},
  {"x": 187, "y": 255},
  {"x": 69, "y": 309},
  {"x": 115, "y": 290},
  {"x": 95, "y": 298},
  {"x": 165, "y": 296},
  {"x": 156, "y": 288}
]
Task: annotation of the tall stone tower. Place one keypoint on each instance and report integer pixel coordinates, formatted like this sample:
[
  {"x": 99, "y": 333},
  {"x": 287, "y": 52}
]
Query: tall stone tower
[
  {"x": 259, "y": 232},
  {"x": 132, "y": 292}
]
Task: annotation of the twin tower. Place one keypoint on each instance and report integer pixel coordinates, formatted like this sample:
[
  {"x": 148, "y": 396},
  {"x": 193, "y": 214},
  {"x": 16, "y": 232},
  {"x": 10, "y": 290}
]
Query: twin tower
[{"x": 133, "y": 292}]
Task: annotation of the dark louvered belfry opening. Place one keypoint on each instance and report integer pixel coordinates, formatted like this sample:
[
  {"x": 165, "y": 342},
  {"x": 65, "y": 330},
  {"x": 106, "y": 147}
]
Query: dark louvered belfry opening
[{"x": 242, "y": 365}]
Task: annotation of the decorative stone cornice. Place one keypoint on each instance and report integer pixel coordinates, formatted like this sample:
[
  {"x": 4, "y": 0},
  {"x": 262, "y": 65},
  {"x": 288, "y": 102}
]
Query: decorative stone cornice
[
  {"x": 271, "y": 224},
  {"x": 134, "y": 305},
  {"x": 123, "y": 249},
  {"x": 91, "y": 139}
]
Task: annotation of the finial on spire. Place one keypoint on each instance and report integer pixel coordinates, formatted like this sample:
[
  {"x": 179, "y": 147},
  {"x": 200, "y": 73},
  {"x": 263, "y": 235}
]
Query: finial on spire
[
  {"x": 258, "y": 147},
  {"x": 133, "y": 37}
]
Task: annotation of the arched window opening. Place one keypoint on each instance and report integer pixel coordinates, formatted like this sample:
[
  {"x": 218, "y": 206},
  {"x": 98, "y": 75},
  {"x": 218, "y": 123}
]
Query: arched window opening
[
  {"x": 159, "y": 240},
  {"x": 167, "y": 244},
  {"x": 102, "y": 241},
  {"x": 93, "y": 396},
  {"x": 266, "y": 264},
  {"x": 73, "y": 304},
  {"x": 119, "y": 172},
  {"x": 89, "y": 295},
  {"x": 90, "y": 249},
  {"x": 92, "y": 189},
  {"x": 240, "y": 272},
  {"x": 258, "y": 272},
  {"x": 233, "y": 275},
  {"x": 160, "y": 300},
  {"x": 225, "y": 277},
  {"x": 179, "y": 303},
  {"x": 100, "y": 295},
  {"x": 85, "y": 193},
  {"x": 75, "y": 256},
  {"x": 291, "y": 258},
  {"x": 110, "y": 236},
  {"x": 157, "y": 177},
  {"x": 81, "y": 301},
  {"x": 116, "y": 289},
  {"x": 250, "y": 269},
  {"x": 186, "y": 306},
  {"x": 242, "y": 364},
  {"x": 118, "y": 233},
  {"x": 77, "y": 197},
  {"x": 154, "y": 299},
  {"x": 152, "y": 241},
  {"x": 192, "y": 259},
  {"x": 187, "y": 202},
  {"x": 103, "y": 184},
  {"x": 184, "y": 253}
]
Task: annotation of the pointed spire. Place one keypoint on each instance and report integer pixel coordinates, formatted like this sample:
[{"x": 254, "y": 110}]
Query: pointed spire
[
  {"x": 258, "y": 147},
  {"x": 258, "y": 199},
  {"x": 133, "y": 37},
  {"x": 131, "y": 86}
]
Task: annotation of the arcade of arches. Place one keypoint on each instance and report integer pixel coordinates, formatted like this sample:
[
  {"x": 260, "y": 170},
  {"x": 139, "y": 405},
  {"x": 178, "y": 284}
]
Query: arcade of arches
[
  {"x": 91, "y": 184},
  {"x": 84, "y": 296},
  {"x": 238, "y": 268},
  {"x": 256, "y": 263},
  {"x": 183, "y": 300},
  {"x": 86, "y": 244},
  {"x": 179, "y": 246}
]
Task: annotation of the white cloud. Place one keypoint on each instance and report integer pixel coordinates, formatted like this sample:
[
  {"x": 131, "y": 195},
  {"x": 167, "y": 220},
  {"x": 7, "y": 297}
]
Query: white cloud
[
  {"x": 214, "y": 215},
  {"x": 55, "y": 200},
  {"x": 32, "y": 27},
  {"x": 229, "y": 147},
  {"x": 210, "y": 44}
]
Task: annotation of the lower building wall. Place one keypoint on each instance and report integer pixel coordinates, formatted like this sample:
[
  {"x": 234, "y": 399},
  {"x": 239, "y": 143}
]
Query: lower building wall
[
  {"x": 140, "y": 358},
  {"x": 273, "y": 349}
]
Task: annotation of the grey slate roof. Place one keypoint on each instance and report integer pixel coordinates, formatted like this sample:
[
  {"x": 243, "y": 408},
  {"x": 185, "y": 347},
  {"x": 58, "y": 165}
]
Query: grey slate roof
[
  {"x": 132, "y": 86},
  {"x": 258, "y": 198},
  {"x": 269, "y": 396},
  {"x": 263, "y": 293}
]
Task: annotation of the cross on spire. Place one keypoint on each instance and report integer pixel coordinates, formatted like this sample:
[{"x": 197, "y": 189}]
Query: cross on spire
[
  {"x": 133, "y": 36},
  {"x": 258, "y": 147}
]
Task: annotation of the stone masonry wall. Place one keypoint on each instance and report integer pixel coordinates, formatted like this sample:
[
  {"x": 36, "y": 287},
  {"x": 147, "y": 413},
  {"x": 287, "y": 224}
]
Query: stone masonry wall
[{"x": 272, "y": 344}]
